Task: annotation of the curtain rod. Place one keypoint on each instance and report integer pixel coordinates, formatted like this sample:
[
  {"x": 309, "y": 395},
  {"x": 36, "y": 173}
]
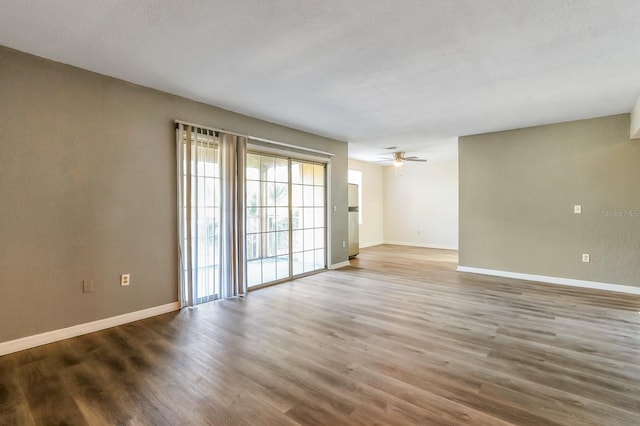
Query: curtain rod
[{"x": 255, "y": 138}]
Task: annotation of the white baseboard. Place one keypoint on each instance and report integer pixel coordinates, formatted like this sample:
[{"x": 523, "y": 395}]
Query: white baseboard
[
  {"x": 365, "y": 245},
  {"x": 425, "y": 245},
  {"x": 339, "y": 265},
  {"x": 553, "y": 280},
  {"x": 80, "y": 329}
]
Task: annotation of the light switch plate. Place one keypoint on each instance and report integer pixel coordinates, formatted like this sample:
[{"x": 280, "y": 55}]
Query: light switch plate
[
  {"x": 586, "y": 258},
  {"x": 577, "y": 209}
]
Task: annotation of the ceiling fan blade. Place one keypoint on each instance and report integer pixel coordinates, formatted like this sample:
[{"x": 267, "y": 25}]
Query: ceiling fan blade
[{"x": 416, "y": 159}]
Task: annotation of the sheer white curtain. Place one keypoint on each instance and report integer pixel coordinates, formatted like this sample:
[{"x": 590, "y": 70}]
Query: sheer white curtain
[{"x": 210, "y": 171}]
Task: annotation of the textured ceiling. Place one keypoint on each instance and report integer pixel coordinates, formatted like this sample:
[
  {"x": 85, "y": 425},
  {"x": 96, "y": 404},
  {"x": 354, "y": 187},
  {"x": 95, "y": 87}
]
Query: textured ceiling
[{"x": 375, "y": 73}]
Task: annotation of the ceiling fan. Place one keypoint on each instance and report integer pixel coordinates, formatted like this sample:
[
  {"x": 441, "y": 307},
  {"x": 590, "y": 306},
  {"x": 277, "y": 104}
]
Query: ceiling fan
[{"x": 399, "y": 158}]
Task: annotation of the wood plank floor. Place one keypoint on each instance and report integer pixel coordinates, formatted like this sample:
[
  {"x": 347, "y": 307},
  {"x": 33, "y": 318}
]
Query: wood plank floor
[{"x": 398, "y": 338}]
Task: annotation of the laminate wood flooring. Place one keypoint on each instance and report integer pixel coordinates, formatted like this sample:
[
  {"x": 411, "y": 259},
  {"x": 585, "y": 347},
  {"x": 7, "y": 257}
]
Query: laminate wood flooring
[{"x": 398, "y": 338}]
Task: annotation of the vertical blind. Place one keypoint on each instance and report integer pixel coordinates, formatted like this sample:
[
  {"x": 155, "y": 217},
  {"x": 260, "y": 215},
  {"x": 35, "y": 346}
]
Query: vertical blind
[{"x": 210, "y": 171}]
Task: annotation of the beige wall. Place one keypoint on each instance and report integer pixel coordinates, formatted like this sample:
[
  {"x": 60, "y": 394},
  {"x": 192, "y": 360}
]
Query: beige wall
[
  {"x": 88, "y": 191},
  {"x": 421, "y": 204},
  {"x": 416, "y": 205},
  {"x": 371, "y": 229},
  {"x": 518, "y": 189}
]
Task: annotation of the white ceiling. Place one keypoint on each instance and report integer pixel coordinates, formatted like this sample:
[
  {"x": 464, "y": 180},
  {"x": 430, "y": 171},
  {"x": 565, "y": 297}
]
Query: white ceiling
[{"x": 375, "y": 73}]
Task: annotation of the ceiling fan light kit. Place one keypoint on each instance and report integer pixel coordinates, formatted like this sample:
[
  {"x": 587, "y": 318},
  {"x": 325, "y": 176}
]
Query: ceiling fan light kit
[{"x": 399, "y": 158}]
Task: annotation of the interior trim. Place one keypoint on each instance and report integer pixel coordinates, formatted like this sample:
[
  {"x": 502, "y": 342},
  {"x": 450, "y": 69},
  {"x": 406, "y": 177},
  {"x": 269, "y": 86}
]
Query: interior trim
[
  {"x": 425, "y": 245},
  {"x": 365, "y": 245},
  {"x": 340, "y": 265},
  {"x": 86, "y": 328},
  {"x": 553, "y": 280}
]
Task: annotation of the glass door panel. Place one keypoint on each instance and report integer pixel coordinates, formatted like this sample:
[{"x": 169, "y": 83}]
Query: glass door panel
[
  {"x": 285, "y": 218},
  {"x": 267, "y": 218},
  {"x": 308, "y": 200}
]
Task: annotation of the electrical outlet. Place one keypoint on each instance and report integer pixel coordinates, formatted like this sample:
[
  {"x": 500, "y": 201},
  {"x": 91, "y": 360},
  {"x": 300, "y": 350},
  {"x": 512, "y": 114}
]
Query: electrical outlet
[
  {"x": 87, "y": 286},
  {"x": 577, "y": 209},
  {"x": 125, "y": 279},
  {"x": 335, "y": 208},
  {"x": 586, "y": 258},
  {"x": 344, "y": 244}
]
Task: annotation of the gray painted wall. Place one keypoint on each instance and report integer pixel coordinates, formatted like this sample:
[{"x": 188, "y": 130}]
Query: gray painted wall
[
  {"x": 518, "y": 189},
  {"x": 88, "y": 191}
]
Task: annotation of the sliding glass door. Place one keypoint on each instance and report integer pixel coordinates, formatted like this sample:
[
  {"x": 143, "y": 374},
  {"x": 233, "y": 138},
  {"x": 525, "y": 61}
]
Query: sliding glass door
[
  {"x": 285, "y": 218},
  {"x": 308, "y": 216},
  {"x": 267, "y": 219}
]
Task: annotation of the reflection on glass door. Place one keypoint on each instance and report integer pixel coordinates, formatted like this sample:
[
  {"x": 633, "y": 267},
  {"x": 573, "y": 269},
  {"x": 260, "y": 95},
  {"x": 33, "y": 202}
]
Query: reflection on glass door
[{"x": 285, "y": 218}]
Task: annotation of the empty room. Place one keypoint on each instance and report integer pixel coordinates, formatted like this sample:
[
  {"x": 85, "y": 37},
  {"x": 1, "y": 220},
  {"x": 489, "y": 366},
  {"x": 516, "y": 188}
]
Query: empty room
[{"x": 319, "y": 212}]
